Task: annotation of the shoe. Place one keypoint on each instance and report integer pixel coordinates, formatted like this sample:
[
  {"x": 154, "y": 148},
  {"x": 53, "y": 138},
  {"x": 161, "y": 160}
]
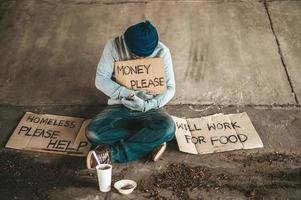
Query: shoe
[
  {"x": 103, "y": 154},
  {"x": 158, "y": 152}
]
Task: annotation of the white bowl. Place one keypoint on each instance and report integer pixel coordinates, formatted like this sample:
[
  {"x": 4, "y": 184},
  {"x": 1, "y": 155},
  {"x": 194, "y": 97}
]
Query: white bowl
[{"x": 119, "y": 184}]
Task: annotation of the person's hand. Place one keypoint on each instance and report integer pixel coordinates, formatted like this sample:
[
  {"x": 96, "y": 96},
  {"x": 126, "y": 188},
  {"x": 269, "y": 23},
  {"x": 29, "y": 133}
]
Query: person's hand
[
  {"x": 127, "y": 93},
  {"x": 135, "y": 103},
  {"x": 144, "y": 95}
]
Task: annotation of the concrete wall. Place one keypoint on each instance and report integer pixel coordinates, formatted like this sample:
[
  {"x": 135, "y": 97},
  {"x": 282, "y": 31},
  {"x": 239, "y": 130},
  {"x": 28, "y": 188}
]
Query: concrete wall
[
  {"x": 223, "y": 52},
  {"x": 286, "y": 18}
]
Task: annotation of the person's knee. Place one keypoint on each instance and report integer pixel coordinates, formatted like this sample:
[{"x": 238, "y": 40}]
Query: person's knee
[
  {"x": 170, "y": 133},
  {"x": 91, "y": 134},
  {"x": 96, "y": 132},
  {"x": 168, "y": 128}
]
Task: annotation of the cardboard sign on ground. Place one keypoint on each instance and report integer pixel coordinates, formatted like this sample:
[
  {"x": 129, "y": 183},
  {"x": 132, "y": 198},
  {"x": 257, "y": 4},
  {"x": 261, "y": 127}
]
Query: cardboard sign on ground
[
  {"x": 216, "y": 133},
  {"x": 51, "y": 133},
  {"x": 142, "y": 74}
]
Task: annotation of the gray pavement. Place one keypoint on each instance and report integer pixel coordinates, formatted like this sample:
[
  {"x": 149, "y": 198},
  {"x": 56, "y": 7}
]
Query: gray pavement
[
  {"x": 267, "y": 173},
  {"x": 223, "y": 52}
]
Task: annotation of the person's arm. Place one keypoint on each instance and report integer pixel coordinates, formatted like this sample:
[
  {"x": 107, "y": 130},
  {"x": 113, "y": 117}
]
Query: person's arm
[
  {"x": 104, "y": 72},
  {"x": 162, "y": 99}
]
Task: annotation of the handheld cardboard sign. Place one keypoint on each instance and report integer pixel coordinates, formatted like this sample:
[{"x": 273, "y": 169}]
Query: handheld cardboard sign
[
  {"x": 142, "y": 74},
  {"x": 216, "y": 133},
  {"x": 51, "y": 133}
]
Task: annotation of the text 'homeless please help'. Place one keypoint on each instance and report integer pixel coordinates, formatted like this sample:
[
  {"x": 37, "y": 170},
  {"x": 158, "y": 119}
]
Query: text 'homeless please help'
[
  {"x": 51, "y": 133},
  {"x": 55, "y": 142}
]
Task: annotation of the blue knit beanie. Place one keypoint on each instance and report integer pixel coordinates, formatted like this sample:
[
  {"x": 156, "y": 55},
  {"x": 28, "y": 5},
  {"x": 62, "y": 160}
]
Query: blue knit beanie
[{"x": 141, "y": 38}]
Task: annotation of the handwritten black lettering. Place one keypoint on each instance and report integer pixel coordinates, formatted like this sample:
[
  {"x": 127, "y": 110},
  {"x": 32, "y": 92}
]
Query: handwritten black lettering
[
  {"x": 234, "y": 125},
  {"x": 188, "y": 138},
  {"x": 228, "y": 139},
  {"x": 64, "y": 145},
  {"x": 69, "y": 148},
  {"x": 51, "y": 122},
  {"x": 194, "y": 128},
  {"x": 147, "y": 83},
  {"x": 44, "y": 121},
  {"x": 242, "y": 137},
  {"x": 223, "y": 140},
  {"x": 147, "y": 68},
  {"x": 52, "y": 143},
  {"x": 234, "y": 138},
  {"x": 213, "y": 139},
  {"x": 30, "y": 118},
  {"x": 222, "y": 126},
  {"x": 211, "y": 127},
  {"x": 181, "y": 126},
  {"x": 227, "y": 125},
  {"x": 73, "y": 123},
  {"x": 37, "y": 132},
  {"x": 24, "y": 129},
  {"x": 61, "y": 144},
  {"x": 55, "y": 134},
  {"x": 219, "y": 126},
  {"x": 137, "y": 69},
  {"x": 202, "y": 139},
  {"x": 82, "y": 144},
  {"x": 194, "y": 140}
]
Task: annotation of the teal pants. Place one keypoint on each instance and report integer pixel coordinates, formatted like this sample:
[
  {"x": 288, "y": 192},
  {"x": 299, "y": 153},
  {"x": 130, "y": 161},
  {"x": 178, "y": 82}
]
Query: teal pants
[{"x": 132, "y": 135}]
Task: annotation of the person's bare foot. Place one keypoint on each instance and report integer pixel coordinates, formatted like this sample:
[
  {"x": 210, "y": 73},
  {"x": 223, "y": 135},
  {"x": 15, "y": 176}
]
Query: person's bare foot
[{"x": 158, "y": 152}]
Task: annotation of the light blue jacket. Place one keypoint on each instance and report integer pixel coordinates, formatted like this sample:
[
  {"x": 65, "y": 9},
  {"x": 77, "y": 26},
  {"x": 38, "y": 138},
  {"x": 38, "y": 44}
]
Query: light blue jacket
[{"x": 116, "y": 50}]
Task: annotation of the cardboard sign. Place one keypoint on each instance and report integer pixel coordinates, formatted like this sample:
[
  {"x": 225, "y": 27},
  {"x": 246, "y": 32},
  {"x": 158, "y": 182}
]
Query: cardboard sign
[
  {"x": 216, "y": 133},
  {"x": 51, "y": 133},
  {"x": 142, "y": 74}
]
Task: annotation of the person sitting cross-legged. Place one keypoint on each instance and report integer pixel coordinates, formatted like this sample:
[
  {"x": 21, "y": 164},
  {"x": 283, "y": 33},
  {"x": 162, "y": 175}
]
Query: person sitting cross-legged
[{"x": 134, "y": 125}]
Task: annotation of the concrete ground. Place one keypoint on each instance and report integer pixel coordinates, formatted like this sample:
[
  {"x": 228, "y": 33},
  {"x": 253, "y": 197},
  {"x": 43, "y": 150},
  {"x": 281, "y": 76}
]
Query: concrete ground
[
  {"x": 229, "y": 56},
  {"x": 272, "y": 172}
]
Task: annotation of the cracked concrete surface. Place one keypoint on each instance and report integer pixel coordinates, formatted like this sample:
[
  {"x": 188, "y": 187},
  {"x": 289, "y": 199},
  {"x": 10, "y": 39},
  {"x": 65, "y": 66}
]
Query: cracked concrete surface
[
  {"x": 281, "y": 54},
  {"x": 286, "y": 18}
]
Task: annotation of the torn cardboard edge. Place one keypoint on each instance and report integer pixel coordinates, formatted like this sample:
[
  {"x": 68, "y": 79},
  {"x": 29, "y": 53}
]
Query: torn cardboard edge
[
  {"x": 216, "y": 133},
  {"x": 51, "y": 133}
]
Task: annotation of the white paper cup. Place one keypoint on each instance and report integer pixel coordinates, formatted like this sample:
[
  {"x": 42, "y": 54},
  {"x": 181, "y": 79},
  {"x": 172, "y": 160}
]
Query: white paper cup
[{"x": 104, "y": 175}]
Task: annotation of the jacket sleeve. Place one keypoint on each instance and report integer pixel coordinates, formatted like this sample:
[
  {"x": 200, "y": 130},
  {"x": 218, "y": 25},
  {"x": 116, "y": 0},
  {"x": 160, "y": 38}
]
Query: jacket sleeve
[
  {"x": 162, "y": 99},
  {"x": 104, "y": 73}
]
